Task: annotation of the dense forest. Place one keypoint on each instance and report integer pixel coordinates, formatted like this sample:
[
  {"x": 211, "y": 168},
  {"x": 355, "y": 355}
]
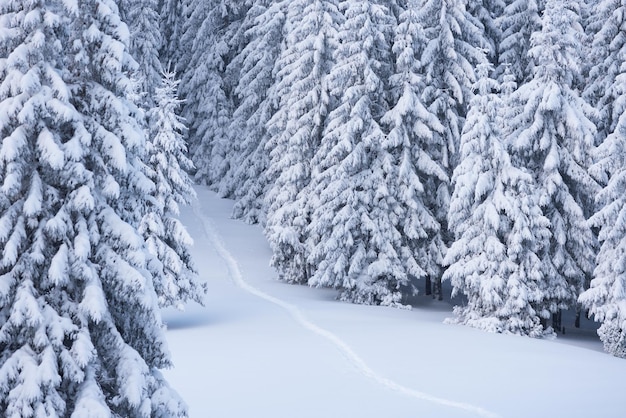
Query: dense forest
[{"x": 380, "y": 144}]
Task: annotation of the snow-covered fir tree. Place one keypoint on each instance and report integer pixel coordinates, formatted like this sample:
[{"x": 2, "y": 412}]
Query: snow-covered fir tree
[
  {"x": 354, "y": 231},
  {"x": 207, "y": 107},
  {"x": 257, "y": 101},
  {"x": 295, "y": 130},
  {"x": 606, "y": 297},
  {"x": 488, "y": 13},
  {"x": 180, "y": 43},
  {"x": 144, "y": 23},
  {"x": 237, "y": 35},
  {"x": 454, "y": 37},
  {"x": 606, "y": 58},
  {"x": 224, "y": 25},
  {"x": 594, "y": 15},
  {"x": 519, "y": 20},
  {"x": 552, "y": 137},
  {"x": 172, "y": 18},
  {"x": 412, "y": 132},
  {"x": 168, "y": 241},
  {"x": 217, "y": 142},
  {"x": 240, "y": 19},
  {"x": 80, "y": 329},
  {"x": 500, "y": 234},
  {"x": 164, "y": 158},
  {"x": 210, "y": 41}
]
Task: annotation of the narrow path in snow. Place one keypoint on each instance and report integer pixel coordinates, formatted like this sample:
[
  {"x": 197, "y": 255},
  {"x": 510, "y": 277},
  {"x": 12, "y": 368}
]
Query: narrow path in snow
[{"x": 298, "y": 316}]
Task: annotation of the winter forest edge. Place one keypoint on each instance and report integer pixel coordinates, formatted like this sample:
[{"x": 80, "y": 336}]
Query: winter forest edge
[{"x": 378, "y": 143}]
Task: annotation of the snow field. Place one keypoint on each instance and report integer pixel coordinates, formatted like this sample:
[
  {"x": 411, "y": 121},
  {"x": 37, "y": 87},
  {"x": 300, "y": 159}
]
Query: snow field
[{"x": 263, "y": 348}]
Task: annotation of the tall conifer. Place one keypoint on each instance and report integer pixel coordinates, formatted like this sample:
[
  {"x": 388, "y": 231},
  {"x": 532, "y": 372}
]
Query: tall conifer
[
  {"x": 353, "y": 234},
  {"x": 552, "y": 137},
  {"x": 295, "y": 130},
  {"x": 80, "y": 329}
]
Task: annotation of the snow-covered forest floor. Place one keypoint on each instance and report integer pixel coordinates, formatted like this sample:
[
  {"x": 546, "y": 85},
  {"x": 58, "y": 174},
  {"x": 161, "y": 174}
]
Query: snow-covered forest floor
[{"x": 262, "y": 348}]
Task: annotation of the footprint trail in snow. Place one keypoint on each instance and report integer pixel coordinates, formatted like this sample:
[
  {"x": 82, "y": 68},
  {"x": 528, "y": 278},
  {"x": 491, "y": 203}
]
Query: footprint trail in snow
[{"x": 298, "y": 316}]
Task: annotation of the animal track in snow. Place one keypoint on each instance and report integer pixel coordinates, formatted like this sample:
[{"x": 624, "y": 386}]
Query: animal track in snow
[{"x": 300, "y": 318}]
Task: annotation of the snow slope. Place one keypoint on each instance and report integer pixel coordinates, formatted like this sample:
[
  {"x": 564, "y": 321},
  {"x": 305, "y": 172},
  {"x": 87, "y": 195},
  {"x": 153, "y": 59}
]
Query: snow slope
[{"x": 262, "y": 348}]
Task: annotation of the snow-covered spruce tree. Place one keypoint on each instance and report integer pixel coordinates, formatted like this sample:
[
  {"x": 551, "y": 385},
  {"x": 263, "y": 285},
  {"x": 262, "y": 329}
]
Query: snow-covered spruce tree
[
  {"x": 606, "y": 296},
  {"x": 237, "y": 36},
  {"x": 448, "y": 61},
  {"x": 207, "y": 107},
  {"x": 165, "y": 161},
  {"x": 207, "y": 56},
  {"x": 594, "y": 15},
  {"x": 193, "y": 13},
  {"x": 174, "y": 277},
  {"x": 258, "y": 101},
  {"x": 224, "y": 18},
  {"x": 488, "y": 13},
  {"x": 172, "y": 18},
  {"x": 235, "y": 33},
  {"x": 552, "y": 138},
  {"x": 499, "y": 230},
  {"x": 223, "y": 150},
  {"x": 354, "y": 233},
  {"x": 519, "y": 20},
  {"x": 412, "y": 131},
  {"x": 295, "y": 130},
  {"x": 143, "y": 20},
  {"x": 607, "y": 57},
  {"x": 80, "y": 330},
  {"x": 607, "y": 45}
]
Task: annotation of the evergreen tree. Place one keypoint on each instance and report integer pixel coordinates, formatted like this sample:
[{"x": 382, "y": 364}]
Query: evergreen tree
[
  {"x": 235, "y": 33},
  {"x": 193, "y": 12},
  {"x": 500, "y": 233},
  {"x": 412, "y": 131},
  {"x": 142, "y": 18},
  {"x": 552, "y": 138},
  {"x": 451, "y": 53},
  {"x": 166, "y": 164},
  {"x": 448, "y": 61},
  {"x": 607, "y": 57},
  {"x": 207, "y": 108},
  {"x": 296, "y": 128},
  {"x": 172, "y": 18},
  {"x": 208, "y": 49},
  {"x": 353, "y": 232},
  {"x": 237, "y": 36},
  {"x": 257, "y": 102},
  {"x": 519, "y": 20},
  {"x": 488, "y": 13},
  {"x": 80, "y": 329},
  {"x": 168, "y": 241},
  {"x": 606, "y": 296}
]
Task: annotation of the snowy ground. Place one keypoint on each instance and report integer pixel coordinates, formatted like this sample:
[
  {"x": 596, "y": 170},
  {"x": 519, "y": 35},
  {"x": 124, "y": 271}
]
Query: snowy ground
[{"x": 262, "y": 348}]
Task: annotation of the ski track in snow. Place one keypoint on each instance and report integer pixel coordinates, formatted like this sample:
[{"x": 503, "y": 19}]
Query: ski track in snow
[{"x": 298, "y": 316}]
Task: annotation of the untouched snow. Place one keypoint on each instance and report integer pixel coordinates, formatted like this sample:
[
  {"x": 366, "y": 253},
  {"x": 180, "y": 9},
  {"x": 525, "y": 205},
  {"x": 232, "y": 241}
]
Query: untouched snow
[{"x": 262, "y": 348}]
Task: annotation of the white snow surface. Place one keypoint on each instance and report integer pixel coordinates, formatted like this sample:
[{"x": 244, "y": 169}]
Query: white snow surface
[{"x": 263, "y": 348}]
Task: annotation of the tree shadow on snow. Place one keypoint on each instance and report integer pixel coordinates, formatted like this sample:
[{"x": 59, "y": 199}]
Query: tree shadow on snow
[{"x": 183, "y": 323}]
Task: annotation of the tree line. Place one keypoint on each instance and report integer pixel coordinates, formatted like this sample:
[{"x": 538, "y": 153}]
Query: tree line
[
  {"x": 377, "y": 142},
  {"x": 384, "y": 142}
]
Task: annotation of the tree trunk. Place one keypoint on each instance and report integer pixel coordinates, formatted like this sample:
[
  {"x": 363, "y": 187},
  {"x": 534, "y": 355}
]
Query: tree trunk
[{"x": 556, "y": 321}]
